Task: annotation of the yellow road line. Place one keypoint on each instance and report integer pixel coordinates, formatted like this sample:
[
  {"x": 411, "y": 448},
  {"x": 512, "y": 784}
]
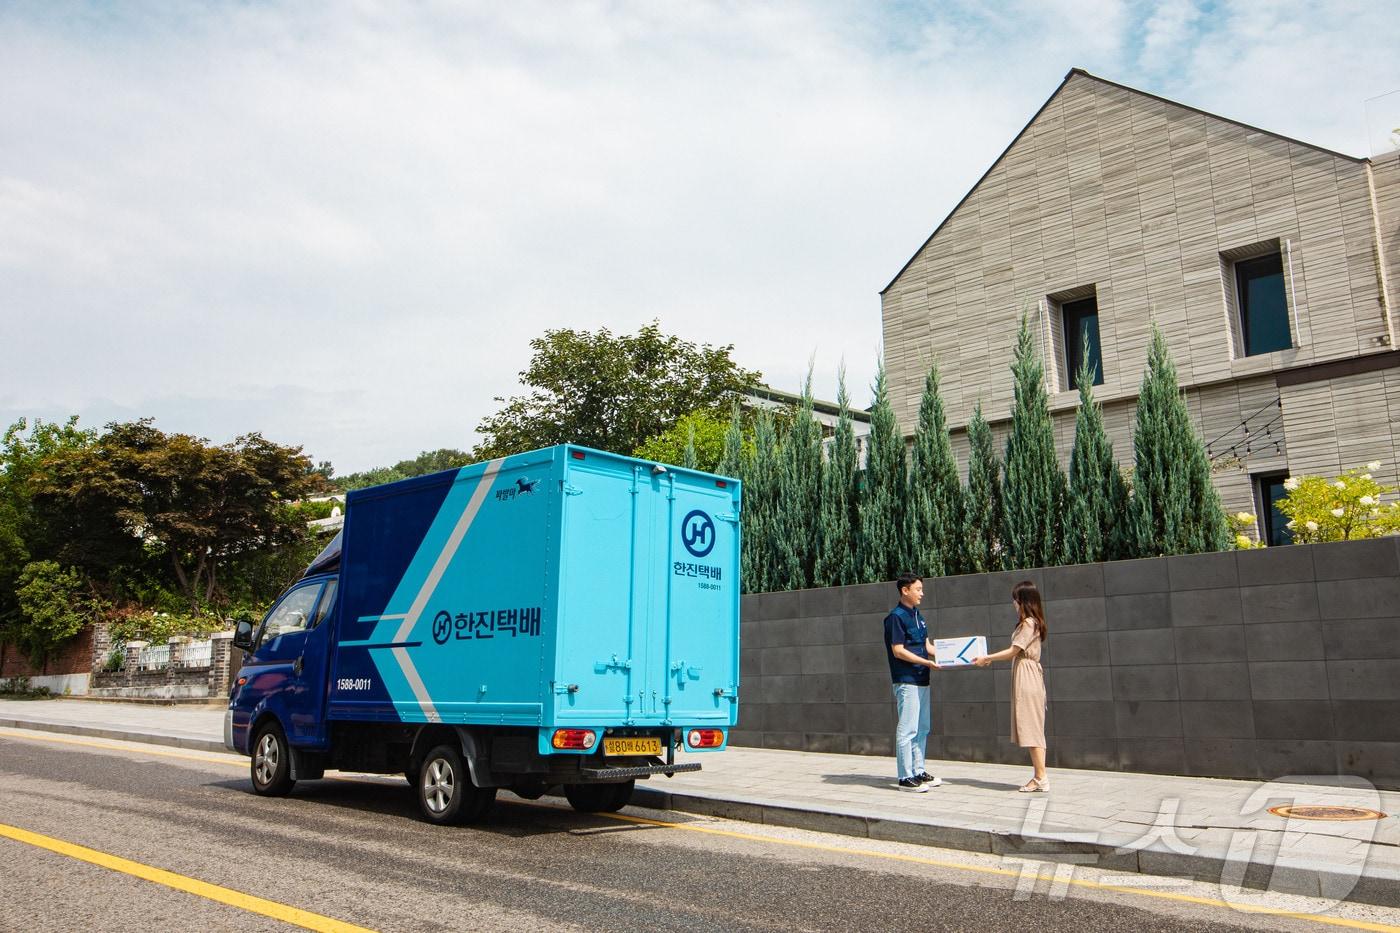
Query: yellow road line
[
  {"x": 843, "y": 850},
  {"x": 170, "y": 879}
]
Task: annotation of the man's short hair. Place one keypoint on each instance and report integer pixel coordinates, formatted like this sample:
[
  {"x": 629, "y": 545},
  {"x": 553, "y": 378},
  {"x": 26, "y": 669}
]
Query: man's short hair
[{"x": 906, "y": 580}]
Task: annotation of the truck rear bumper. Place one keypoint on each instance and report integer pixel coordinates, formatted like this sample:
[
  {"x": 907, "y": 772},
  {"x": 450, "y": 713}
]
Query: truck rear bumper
[{"x": 611, "y": 775}]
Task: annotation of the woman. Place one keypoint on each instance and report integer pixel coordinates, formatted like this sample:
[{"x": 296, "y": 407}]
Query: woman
[{"x": 1027, "y": 680}]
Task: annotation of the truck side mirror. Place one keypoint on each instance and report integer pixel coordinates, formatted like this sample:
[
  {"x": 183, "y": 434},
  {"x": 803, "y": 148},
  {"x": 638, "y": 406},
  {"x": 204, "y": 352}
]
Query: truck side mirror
[{"x": 243, "y": 633}]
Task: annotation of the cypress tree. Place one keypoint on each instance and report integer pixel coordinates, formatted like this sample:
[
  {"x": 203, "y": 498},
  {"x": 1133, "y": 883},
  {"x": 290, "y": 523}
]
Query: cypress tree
[
  {"x": 836, "y": 543},
  {"x": 732, "y": 457},
  {"x": 982, "y": 518},
  {"x": 800, "y": 496},
  {"x": 1035, "y": 485},
  {"x": 762, "y": 491},
  {"x": 688, "y": 458},
  {"x": 1175, "y": 508},
  {"x": 1095, "y": 486},
  {"x": 933, "y": 518},
  {"x": 882, "y": 495}
]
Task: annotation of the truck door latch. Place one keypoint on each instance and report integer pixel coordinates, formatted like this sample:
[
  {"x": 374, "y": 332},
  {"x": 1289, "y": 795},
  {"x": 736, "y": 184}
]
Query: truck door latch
[
  {"x": 728, "y": 517},
  {"x": 602, "y": 667},
  {"x": 570, "y": 490},
  {"x": 728, "y": 692}
]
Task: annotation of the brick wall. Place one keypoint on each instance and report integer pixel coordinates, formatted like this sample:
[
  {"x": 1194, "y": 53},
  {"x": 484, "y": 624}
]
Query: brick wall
[
  {"x": 75, "y": 657},
  {"x": 1251, "y": 664}
]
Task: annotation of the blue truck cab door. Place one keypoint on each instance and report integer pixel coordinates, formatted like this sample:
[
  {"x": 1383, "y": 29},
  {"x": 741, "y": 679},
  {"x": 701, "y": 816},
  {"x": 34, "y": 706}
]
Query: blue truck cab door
[{"x": 287, "y": 669}]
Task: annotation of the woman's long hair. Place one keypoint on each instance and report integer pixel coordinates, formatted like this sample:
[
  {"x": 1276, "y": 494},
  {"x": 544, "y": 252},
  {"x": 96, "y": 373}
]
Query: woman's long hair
[{"x": 1028, "y": 597}]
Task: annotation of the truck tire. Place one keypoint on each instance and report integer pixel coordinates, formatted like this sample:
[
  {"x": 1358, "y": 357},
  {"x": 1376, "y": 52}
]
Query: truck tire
[
  {"x": 599, "y": 798},
  {"x": 446, "y": 794},
  {"x": 271, "y": 767}
]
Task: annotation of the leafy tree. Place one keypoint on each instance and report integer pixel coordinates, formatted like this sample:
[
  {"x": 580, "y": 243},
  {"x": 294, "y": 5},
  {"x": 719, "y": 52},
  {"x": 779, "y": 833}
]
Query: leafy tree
[
  {"x": 800, "y": 497},
  {"x": 1175, "y": 508},
  {"x": 429, "y": 461},
  {"x": 882, "y": 499},
  {"x": 983, "y": 519},
  {"x": 28, "y": 531},
  {"x": 1097, "y": 496},
  {"x": 761, "y": 505},
  {"x": 193, "y": 505},
  {"x": 934, "y": 517},
  {"x": 610, "y": 392},
  {"x": 704, "y": 429},
  {"x": 1035, "y": 486},
  {"x": 836, "y": 542},
  {"x": 1345, "y": 508},
  {"x": 54, "y": 604}
]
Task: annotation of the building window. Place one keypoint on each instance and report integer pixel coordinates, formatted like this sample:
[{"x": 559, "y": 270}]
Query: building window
[
  {"x": 1081, "y": 330},
  {"x": 1259, "y": 289},
  {"x": 1273, "y": 527}
]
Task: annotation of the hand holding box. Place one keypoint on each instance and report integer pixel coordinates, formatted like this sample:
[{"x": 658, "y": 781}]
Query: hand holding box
[{"x": 958, "y": 652}]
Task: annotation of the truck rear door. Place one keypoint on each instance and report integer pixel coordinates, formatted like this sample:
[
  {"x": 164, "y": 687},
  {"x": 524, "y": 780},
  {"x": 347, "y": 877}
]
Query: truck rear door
[
  {"x": 701, "y": 584},
  {"x": 648, "y": 603}
]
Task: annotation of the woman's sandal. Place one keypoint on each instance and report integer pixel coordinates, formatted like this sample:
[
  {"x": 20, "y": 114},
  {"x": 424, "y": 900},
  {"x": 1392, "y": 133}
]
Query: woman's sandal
[{"x": 1036, "y": 786}]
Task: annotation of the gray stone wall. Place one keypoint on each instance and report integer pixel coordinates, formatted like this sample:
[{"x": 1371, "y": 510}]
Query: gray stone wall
[{"x": 1250, "y": 664}]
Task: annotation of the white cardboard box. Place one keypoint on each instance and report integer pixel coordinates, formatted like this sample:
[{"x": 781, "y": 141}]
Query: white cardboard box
[{"x": 958, "y": 652}]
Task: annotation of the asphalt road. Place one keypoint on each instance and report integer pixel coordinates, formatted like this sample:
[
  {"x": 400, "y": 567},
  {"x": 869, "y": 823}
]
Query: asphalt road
[{"x": 353, "y": 850}]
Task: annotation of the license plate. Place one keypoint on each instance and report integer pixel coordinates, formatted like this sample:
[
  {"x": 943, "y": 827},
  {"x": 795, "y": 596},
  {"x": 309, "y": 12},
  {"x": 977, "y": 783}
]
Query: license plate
[{"x": 633, "y": 745}]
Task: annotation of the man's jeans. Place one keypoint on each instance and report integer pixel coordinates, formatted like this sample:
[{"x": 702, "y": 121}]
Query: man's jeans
[{"x": 911, "y": 733}]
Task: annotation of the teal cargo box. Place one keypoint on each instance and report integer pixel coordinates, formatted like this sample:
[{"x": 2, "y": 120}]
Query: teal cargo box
[{"x": 560, "y": 617}]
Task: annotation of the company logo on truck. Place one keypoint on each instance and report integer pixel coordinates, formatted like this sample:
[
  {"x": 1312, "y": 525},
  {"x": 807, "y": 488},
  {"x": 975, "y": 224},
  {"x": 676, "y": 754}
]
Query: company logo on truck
[
  {"x": 524, "y": 486},
  {"x": 508, "y": 623},
  {"x": 698, "y": 533}
]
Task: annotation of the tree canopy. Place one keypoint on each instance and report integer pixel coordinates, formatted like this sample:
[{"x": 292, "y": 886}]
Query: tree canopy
[
  {"x": 610, "y": 391},
  {"x": 429, "y": 461}
]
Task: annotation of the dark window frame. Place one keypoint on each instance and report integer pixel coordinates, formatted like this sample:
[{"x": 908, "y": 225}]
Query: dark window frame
[
  {"x": 1251, "y": 269},
  {"x": 1270, "y": 524},
  {"x": 1072, "y": 315}
]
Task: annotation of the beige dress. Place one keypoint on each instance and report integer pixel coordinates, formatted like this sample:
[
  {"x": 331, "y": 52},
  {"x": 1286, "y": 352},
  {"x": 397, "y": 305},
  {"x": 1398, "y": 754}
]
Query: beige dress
[{"x": 1027, "y": 688}]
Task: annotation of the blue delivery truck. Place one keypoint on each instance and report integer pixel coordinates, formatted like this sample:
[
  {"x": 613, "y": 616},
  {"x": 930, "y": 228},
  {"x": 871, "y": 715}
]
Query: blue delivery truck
[{"x": 561, "y": 618}]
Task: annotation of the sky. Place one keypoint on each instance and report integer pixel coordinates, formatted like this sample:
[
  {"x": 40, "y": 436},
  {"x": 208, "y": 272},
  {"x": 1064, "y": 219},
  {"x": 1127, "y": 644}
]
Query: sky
[{"x": 340, "y": 225}]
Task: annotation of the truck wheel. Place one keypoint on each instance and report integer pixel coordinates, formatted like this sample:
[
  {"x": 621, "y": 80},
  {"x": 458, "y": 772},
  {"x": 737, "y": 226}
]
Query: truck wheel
[
  {"x": 622, "y": 796},
  {"x": 446, "y": 793},
  {"x": 598, "y": 798},
  {"x": 272, "y": 762}
]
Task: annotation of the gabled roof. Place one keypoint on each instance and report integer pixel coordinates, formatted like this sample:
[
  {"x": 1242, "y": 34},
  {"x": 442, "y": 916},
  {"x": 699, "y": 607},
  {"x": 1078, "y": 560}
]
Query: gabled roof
[{"x": 1081, "y": 72}]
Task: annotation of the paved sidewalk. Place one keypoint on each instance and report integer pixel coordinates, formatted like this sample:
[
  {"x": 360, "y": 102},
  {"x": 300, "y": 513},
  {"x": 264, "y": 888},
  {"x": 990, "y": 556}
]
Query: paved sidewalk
[{"x": 1153, "y": 824}]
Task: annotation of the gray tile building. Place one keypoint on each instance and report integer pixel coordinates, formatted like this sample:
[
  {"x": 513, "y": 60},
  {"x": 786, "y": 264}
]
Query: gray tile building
[{"x": 1272, "y": 265}]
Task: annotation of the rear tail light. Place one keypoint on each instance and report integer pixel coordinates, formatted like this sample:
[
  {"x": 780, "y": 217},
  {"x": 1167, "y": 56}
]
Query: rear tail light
[
  {"x": 704, "y": 738},
  {"x": 576, "y": 739},
  {"x": 576, "y": 454}
]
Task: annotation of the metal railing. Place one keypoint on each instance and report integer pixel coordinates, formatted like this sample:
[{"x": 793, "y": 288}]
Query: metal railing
[
  {"x": 155, "y": 658},
  {"x": 197, "y": 654}
]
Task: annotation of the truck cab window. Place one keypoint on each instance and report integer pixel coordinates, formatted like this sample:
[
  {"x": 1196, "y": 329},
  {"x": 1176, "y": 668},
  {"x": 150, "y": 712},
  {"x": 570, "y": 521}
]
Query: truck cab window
[
  {"x": 292, "y": 613},
  {"x": 327, "y": 601}
]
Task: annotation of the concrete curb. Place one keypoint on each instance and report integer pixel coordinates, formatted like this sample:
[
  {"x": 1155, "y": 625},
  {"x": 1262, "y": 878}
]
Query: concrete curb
[
  {"x": 1383, "y": 891},
  {"x": 150, "y": 738}
]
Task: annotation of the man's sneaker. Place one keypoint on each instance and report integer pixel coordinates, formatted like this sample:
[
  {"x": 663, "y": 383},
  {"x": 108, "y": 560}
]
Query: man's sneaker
[
  {"x": 928, "y": 780},
  {"x": 913, "y": 785}
]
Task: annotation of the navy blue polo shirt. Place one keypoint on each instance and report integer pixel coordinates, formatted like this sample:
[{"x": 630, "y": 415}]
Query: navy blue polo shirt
[{"x": 906, "y": 627}]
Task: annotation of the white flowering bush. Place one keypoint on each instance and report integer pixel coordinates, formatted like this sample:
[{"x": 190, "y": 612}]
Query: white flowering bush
[
  {"x": 1342, "y": 509},
  {"x": 1242, "y": 531}
]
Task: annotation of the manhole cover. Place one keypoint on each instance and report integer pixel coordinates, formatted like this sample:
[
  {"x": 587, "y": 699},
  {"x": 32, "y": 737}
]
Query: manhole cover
[{"x": 1327, "y": 813}]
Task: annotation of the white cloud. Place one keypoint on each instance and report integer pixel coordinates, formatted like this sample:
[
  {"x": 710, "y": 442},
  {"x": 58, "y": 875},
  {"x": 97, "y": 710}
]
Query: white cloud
[{"x": 341, "y": 225}]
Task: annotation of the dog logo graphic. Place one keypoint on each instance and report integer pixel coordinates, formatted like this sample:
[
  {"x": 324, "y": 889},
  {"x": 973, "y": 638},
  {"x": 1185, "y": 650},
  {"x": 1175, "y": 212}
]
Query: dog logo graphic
[{"x": 526, "y": 486}]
